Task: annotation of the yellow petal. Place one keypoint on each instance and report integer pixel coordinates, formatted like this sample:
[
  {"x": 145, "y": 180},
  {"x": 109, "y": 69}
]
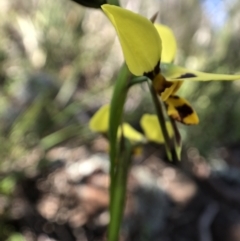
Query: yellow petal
[
  {"x": 181, "y": 110},
  {"x": 169, "y": 45},
  {"x": 99, "y": 121},
  {"x": 139, "y": 39},
  {"x": 130, "y": 133},
  {"x": 174, "y": 73},
  {"x": 152, "y": 130}
]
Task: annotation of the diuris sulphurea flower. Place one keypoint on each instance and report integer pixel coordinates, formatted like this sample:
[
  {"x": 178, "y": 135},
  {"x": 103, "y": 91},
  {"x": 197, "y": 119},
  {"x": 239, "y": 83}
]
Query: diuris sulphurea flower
[
  {"x": 149, "y": 50},
  {"x": 100, "y": 123},
  {"x": 149, "y": 123}
]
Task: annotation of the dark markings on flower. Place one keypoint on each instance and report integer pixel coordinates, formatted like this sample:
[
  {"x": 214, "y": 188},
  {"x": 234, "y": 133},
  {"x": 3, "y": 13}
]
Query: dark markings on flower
[
  {"x": 154, "y": 72},
  {"x": 187, "y": 75},
  {"x": 184, "y": 110},
  {"x": 175, "y": 97}
]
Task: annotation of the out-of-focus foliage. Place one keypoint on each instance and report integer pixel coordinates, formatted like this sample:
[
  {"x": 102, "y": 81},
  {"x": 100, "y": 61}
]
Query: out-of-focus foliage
[
  {"x": 54, "y": 71},
  {"x": 58, "y": 60},
  {"x": 50, "y": 54}
]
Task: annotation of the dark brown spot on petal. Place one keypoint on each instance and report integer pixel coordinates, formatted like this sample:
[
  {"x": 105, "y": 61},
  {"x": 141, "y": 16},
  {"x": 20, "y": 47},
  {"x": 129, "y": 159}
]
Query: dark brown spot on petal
[
  {"x": 150, "y": 75},
  {"x": 175, "y": 97},
  {"x": 153, "y": 73},
  {"x": 161, "y": 84},
  {"x": 187, "y": 75},
  {"x": 184, "y": 110}
]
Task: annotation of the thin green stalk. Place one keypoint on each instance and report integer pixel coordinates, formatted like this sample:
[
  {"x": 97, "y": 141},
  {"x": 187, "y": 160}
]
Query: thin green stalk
[
  {"x": 169, "y": 145},
  {"x": 176, "y": 131},
  {"x": 137, "y": 80},
  {"x": 177, "y": 138}
]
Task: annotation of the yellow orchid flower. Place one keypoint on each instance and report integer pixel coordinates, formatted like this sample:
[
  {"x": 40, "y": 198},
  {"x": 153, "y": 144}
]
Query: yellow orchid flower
[
  {"x": 144, "y": 46},
  {"x": 169, "y": 44},
  {"x": 152, "y": 130},
  {"x": 148, "y": 122},
  {"x": 177, "y": 107},
  {"x": 99, "y": 123},
  {"x": 130, "y": 133}
]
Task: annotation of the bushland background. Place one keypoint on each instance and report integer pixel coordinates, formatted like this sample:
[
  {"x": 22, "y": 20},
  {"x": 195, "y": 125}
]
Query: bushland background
[{"x": 58, "y": 62}]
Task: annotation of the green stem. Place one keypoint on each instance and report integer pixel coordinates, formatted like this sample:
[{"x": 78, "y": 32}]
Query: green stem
[
  {"x": 176, "y": 131},
  {"x": 177, "y": 138},
  {"x": 116, "y": 111},
  {"x": 170, "y": 147},
  {"x": 137, "y": 80},
  {"x": 120, "y": 187}
]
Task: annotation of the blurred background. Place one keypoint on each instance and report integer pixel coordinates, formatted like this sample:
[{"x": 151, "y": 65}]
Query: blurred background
[{"x": 58, "y": 63}]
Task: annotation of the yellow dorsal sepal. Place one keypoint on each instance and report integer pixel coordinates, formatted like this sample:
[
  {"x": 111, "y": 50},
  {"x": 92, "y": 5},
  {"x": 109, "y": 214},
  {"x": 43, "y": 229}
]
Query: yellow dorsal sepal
[{"x": 139, "y": 39}]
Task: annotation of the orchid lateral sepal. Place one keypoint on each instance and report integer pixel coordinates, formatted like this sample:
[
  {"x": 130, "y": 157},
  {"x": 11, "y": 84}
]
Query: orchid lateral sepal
[{"x": 177, "y": 73}]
